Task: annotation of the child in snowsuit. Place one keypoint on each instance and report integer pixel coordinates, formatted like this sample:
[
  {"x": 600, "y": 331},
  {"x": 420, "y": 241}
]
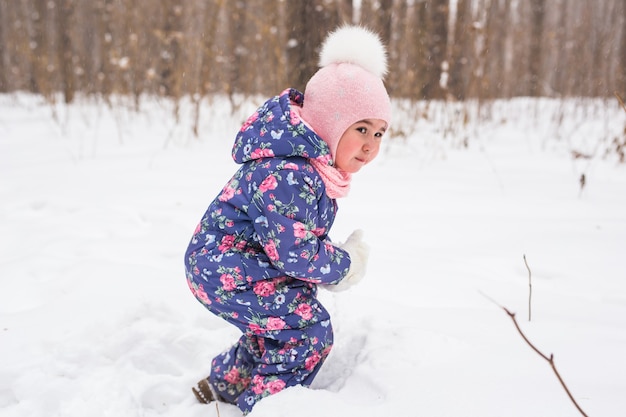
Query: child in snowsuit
[{"x": 262, "y": 248}]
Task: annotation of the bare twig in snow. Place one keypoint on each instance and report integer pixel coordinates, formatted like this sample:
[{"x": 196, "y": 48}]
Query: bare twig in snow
[
  {"x": 549, "y": 359},
  {"x": 530, "y": 289}
]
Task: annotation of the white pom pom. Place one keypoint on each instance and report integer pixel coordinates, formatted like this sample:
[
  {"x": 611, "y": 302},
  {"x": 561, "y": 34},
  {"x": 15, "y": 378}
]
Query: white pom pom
[{"x": 356, "y": 45}]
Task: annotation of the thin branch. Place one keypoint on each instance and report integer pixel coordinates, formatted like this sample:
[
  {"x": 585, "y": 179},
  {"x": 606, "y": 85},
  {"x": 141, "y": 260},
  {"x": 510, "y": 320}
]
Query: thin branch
[
  {"x": 530, "y": 289},
  {"x": 549, "y": 359}
]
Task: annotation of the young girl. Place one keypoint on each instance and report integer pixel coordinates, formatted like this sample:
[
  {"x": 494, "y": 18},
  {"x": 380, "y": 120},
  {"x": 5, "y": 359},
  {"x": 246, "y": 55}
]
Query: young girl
[{"x": 262, "y": 248}]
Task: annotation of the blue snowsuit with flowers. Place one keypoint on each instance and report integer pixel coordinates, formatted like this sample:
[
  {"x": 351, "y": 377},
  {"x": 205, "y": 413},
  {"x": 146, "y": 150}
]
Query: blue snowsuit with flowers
[{"x": 259, "y": 251}]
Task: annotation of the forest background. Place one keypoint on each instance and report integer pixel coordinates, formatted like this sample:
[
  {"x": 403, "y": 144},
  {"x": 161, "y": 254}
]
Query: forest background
[{"x": 438, "y": 49}]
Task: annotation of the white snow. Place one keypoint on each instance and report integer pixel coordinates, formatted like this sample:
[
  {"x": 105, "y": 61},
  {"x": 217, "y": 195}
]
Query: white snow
[{"x": 98, "y": 203}]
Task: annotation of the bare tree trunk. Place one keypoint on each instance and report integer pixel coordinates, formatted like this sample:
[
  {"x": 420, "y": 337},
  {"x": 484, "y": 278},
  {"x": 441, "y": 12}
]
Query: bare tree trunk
[
  {"x": 612, "y": 33},
  {"x": 461, "y": 51},
  {"x": 236, "y": 42},
  {"x": 65, "y": 53},
  {"x": 303, "y": 45},
  {"x": 437, "y": 40},
  {"x": 171, "y": 72},
  {"x": 535, "y": 58},
  {"x": 494, "y": 81},
  {"x": 4, "y": 53},
  {"x": 479, "y": 50},
  {"x": 420, "y": 44},
  {"x": 39, "y": 49},
  {"x": 134, "y": 53},
  {"x": 208, "y": 46},
  {"x": 346, "y": 11},
  {"x": 604, "y": 13},
  {"x": 379, "y": 18},
  {"x": 622, "y": 61},
  {"x": 398, "y": 56},
  {"x": 269, "y": 50},
  {"x": 582, "y": 52},
  {"x": 562, "y": 60},
  {"x": 85, "y": 37}
]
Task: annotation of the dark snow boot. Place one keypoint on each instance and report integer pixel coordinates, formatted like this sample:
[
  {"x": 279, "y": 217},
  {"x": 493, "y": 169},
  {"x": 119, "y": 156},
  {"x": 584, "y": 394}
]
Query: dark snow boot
[{"x": 204, "y": 393}]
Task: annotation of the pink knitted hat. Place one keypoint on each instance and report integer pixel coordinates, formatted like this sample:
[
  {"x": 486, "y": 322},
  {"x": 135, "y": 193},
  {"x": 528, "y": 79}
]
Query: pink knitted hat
[{"x": 349, "y": 86}]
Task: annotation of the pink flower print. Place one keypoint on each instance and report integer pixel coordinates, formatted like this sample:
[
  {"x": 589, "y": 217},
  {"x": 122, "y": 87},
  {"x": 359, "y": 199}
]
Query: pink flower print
[
  {"x": 262, "y": 153},
  {"x": 304, "y": 311},
  {"x": 275, "y": 386},
  {"x": 228, "y": 282},
  {"x": 257, "y": 385},
  {"x": 202, "y": 295},
  {"x": 232, "y": 376},
  {"x": 226, "y": 243},
  {"x": 268, "y": 183},
  {"x": 319, "y": 231},
  {"x": 255, "y": 328},
  {"x": 264, "y": 288},
  {"x": 312, "y": 361},
  {"x": 191, "y": 287},
  {"x": 299, "y": 230},
  {"x": 198, "y": 228},
  {"x": 249, "y": 122},
  {"x": 271, "y": 251},
  {"x": 326, "y": 350},
  {"x": 275, "y": 323},
  {"x": 291, "y": 165},
  {"x": 271, "y": 207},
  {"x": 227, "y": 193}
]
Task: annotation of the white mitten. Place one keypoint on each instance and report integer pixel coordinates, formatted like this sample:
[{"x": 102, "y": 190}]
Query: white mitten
[{"x": 359, "y": 252}]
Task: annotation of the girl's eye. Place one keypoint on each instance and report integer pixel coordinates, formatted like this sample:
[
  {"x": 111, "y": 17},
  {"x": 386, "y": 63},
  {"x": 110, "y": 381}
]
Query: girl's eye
[
  {"x": 361, "y": 129},
  {"x": 379, "y": 134}
]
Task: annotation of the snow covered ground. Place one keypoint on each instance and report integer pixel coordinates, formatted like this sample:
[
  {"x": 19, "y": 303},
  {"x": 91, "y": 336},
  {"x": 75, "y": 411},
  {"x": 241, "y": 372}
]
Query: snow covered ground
[{"x": 98, "y": 204}]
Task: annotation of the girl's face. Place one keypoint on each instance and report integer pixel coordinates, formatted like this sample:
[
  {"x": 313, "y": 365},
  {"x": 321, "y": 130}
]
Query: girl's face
[{"x": 359, "y": 144}]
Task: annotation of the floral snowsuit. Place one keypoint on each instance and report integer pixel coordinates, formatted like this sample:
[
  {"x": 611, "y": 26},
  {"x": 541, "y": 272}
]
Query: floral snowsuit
[{"x": 259, "y": 251}]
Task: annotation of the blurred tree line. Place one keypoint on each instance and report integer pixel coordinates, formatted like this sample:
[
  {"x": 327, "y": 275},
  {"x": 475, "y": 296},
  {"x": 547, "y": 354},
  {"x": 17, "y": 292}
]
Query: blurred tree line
[{"x": 453, "y": 49}]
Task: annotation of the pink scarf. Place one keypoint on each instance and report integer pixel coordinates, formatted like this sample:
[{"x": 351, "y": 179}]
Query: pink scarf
[{"x": 337, "y": 182}]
